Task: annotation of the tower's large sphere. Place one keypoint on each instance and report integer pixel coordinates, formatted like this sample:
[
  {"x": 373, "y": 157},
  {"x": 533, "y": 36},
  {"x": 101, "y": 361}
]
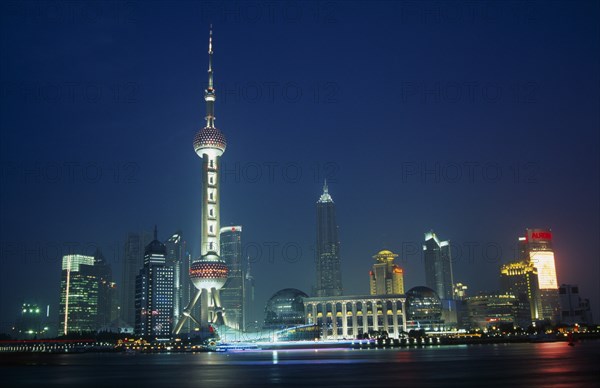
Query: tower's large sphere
[
  {"x": 208, "y": 274},
  {"x": 209, "y": 138}
]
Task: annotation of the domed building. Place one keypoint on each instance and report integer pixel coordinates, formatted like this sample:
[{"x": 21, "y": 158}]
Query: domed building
[
  {"x": 423, "y": 308},
  {"x": 285, "y": 309},
  {"x": 386, "y": 277}
]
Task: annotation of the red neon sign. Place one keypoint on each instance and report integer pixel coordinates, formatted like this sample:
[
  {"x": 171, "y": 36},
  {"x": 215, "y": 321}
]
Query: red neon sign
[{"x": 541, "y": 235}]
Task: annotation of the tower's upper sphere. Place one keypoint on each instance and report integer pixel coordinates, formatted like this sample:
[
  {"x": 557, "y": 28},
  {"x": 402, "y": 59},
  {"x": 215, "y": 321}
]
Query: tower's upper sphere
[
  {"x": 209, "y": 274},
  {"x": 209, "y": 138}
]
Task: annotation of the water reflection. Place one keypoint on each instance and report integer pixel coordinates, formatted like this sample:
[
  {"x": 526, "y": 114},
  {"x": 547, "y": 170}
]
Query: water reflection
[{"x": 497, "y": 365}]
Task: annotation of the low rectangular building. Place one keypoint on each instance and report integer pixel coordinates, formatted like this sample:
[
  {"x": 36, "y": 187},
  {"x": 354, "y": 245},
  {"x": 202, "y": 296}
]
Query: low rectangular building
[{"x": 350, "y": 316}]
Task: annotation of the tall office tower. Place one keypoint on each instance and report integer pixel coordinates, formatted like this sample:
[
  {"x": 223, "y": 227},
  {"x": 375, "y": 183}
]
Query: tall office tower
[
  {"x": 232, "y": 293},
  {"x": 188, "y": 290},
  {"x": 536, "y": 248},
  {"x": 574, "y": 309},
  {"x": 250, "y": 321},
  {"x": 329, "y": 272},
  {"x": 176, "y": 259},
  {"x": 521, "y": 280},
  {"x": 438, "y": 266},
  {"x": 209, "y": 273},
  {"x": 78, "y": 295},
  {"x": 154, "y": 293},
  {"x": 133, "y": 260},
  {"x": 385, "y": 276},
  {"x": 107, "y": 291}
]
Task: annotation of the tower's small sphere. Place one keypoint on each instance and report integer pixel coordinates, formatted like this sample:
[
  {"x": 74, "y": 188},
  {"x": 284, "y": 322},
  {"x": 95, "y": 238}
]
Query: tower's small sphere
[
  {"x": 209, "y": 138},
  {"x": 208, "y": 274}
]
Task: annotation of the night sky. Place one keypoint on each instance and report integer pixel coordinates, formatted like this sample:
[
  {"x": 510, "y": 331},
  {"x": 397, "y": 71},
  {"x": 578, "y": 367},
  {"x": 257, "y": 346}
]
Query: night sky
[{"x": 475, "y": 119}]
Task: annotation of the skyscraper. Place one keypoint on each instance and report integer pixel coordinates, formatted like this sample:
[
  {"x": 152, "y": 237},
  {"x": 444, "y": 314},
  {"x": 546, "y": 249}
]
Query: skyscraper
[
  {"x": 78, "y": 295},
  {"x": 133, "y": 260},
  {"x": 154, "y": 292},
  {"x": 521, "y": 280},
  {"x": 385, "y": 276},
  {"x": 250, "y": 321},
  {"x": 232, "y": 293},
  {"x": 210, "y": 272},
  {"x": 574, "y": 309},
  {"x": 107, "y": 292},
  {"x": 438, "y": 265},
  {"x": 329, "y": 272},
  {"x": 176, "y": 259},
  {"x": 536, "y": 248}
]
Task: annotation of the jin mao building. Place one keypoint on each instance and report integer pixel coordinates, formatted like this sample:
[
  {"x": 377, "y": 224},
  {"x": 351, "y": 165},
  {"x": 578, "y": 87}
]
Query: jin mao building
[{"x": 329, "y": 272}]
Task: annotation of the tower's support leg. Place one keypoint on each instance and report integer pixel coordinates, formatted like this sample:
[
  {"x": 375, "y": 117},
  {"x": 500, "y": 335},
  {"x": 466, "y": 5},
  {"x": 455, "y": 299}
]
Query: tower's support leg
[
  {"x": 204, "y": 307},
  {"x": 187, "y": 313},
  {"x": 219, "y": 314}
]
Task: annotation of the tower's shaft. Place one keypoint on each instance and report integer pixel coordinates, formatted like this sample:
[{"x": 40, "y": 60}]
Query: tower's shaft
[{"x": 211, "y": 220}]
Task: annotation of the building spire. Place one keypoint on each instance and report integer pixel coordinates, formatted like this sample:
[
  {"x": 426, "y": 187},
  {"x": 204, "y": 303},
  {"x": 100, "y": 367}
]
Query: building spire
[
  {"x": 325, "y": 197},
  {"x": 209, "y": 93},
  {"x": 248, "y": 274},
  {"x": 155, "y": 232}
]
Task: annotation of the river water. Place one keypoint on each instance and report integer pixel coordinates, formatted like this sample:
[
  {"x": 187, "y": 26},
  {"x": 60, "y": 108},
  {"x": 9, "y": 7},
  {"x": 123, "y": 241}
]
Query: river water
[{"x": 502, "y": 365}]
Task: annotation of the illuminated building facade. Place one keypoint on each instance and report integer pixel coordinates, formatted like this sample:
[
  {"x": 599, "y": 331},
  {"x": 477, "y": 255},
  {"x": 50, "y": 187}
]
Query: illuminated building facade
[
  {"x": 329, "y": 271},
  {"x": 521, "y": 280},
  {"x": 354, "y": 316},
  {"x": 460, "y": 291},
  {"x": 232, "y": 293},
  {"x": 424, "y": 309},
  {"x": 154, "y": 293},
  {"x": 536, "y": 248},
  {"x": 491, "y": 309},
  {"x": 176, "y": 259},
  {"x": 438, "y": 265},
  {"x": 209, "y": 273},
  {"x": 385, "y": 276},
  {"x": 78, "y": 295}
]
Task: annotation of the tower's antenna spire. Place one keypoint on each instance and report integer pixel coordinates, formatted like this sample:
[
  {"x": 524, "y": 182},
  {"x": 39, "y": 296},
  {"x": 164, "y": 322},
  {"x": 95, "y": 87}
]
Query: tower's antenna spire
[
  {"x": 325, "y": 188},
  {"x": 209, "y": 93},
  {"x": 210, "y": 52}
]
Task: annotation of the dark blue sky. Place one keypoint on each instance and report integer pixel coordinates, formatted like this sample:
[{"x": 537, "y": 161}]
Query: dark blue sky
[{"x": 476, "y": 120}]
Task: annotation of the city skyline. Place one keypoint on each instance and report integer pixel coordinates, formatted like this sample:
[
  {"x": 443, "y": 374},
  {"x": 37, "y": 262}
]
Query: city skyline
[{"x": 482, "y": 215}]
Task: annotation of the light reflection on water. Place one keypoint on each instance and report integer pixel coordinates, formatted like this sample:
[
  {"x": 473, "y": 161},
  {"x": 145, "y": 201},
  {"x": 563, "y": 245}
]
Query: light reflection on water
[{"x": 496, "y": 365}]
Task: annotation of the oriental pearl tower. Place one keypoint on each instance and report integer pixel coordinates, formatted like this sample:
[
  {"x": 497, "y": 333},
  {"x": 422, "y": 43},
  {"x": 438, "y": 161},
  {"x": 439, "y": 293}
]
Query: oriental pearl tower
[{"x": 209, "y": 272}]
